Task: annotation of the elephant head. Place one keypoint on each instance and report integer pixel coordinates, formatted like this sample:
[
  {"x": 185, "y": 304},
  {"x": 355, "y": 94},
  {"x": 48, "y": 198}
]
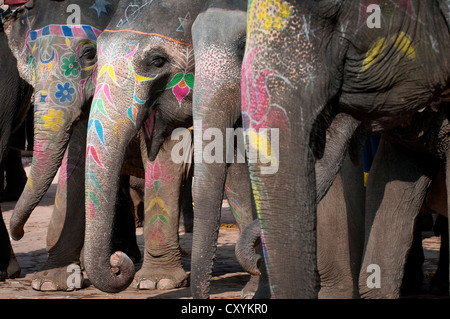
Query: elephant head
[
  {"x": 144, "y": 83},
  {"x": 306, "y": 60},
  {"x": 58, "y": 59},
  {"x": 218, "y": 36}
]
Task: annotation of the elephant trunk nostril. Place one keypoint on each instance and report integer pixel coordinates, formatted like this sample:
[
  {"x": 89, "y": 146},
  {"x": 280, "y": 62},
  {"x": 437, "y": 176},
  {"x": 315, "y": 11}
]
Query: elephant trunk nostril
[
  {"x": 245, "y": 252},
  {"x": 121, "y": 265},
  {"x": 17, "y": 232}
]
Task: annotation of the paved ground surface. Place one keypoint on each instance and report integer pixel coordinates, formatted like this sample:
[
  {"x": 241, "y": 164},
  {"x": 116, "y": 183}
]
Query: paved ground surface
[{"x": 228, "y": 276}]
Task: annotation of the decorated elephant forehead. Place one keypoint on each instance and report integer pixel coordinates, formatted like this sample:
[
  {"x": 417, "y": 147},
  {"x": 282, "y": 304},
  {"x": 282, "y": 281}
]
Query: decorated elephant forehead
[
  {"x": 64, "y": 31},
  {"x": 169, "y": 19}
]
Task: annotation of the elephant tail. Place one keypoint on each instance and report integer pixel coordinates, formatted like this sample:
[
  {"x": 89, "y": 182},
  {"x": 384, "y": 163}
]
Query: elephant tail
[{"x": 245, "y": 248}]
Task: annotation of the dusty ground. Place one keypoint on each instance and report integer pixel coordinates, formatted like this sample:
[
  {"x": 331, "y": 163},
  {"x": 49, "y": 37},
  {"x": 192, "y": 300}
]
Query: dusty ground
[{"x": 228, "y": 276}]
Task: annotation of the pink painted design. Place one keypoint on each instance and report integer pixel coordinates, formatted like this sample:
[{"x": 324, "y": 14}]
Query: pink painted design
[
  {"x": 41, "y": 156},
  {"x": 133, "y": 48},
  {"x": 91, "y": 209},
  {"x": 181, "y": 85},
  {"x": 180, "y": 92},
  {"x": 78, "y": 31},
  {"x": 100, "y": 51},
  {"x": 65, "y": 171},
  {"x": 157, "y": 174},
  {"x": 56, "y": 30},
  {"x": 92, "y": 150},
  {"x": 257, "y": 111},
  {"x": 106, "y": 90}
]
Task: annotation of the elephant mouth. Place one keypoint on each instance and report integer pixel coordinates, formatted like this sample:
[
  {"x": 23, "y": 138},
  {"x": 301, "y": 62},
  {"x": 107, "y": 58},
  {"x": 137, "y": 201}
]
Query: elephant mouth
[{"x": 149, "y": 126}]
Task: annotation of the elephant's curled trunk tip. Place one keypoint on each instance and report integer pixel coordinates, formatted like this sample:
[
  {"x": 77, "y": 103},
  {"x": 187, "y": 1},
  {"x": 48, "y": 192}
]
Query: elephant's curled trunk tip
[
  {"x": 119, "y": 275},
  {"x": 16, "y": 229},
  {"x": 123, "y": 268},
  {"x": 121, "y": 261},
  {"x": 245, "y": 248}
]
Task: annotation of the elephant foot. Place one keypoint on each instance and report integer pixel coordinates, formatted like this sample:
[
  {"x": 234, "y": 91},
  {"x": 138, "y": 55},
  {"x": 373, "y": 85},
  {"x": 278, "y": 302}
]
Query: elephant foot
[
  {"x": 66, "y": 278},
  {"x": 13, "y": 269},
  {"x": 160, "y": 278}
]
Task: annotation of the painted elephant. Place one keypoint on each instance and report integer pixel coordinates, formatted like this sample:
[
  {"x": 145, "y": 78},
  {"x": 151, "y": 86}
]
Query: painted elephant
[
  {"x": 341, "y": 56},
  {"x": 145, "y": 85},
  {"x": 218, "y": 35},
  {"x": 145, "y": 75},
  {"x": 55, "y": 48},
  {"x": 217, "y": 107},
  {"x": 14, "y": 103}
]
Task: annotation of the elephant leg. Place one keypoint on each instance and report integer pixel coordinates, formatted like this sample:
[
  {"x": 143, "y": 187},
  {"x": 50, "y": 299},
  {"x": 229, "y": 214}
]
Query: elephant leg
[
  {"x": 9, "y": 267},
  {"x": 124, "y": 227},
  {"x": 65, "y": 234},
  {"x": 137, "y": 197},
  {"x": 340, "y": 233},
  {"x": 413, "y": 275},
  {"x": 164, "y": 184},
  {"x": 396, "y": 188},
  {"x": 187, "y": 213},
  {"x": 239, "y": 196}
]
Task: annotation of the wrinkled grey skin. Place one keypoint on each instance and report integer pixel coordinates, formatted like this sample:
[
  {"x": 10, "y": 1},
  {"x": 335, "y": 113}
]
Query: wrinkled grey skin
[
  {"x": 217, "y": 105},
  {"x": 155, "y": 59},
  {"x": 60, "y": 127},
  {"x": 14, "y": 102},
  {"x": 340, "y": 223},
  {"x": 158, "y": 117},
  {"x": 218, "y": 36},
  {"x": 397, "y": 192},
  {"x": 324, "y": 47}
]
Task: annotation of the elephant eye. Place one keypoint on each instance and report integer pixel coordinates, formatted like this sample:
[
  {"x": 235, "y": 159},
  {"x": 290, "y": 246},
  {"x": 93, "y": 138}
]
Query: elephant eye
[
  {"x": 88, "y": 53},
  {"x": 158, "y": 62}
]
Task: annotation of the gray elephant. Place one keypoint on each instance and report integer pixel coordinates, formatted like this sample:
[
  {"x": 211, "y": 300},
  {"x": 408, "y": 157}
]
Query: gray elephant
[
  {"x": 55, "y": 48},
  {"x": 144, "y": 85},
  {"x": 342, "y": 55},
  {"x": 15, "y": 102},
  {"x": 217, "y": 107}
]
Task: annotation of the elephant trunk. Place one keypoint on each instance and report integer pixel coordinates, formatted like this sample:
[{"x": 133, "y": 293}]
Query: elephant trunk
[
  {"x": 52, "y": 134},
  {"x": 209, "y": 184},
  {"x": 103, "y": 164},
  {"x": 245, "y": 248},
  {"x": 215, "y": 108},
  {"x": 338, "y": 138}
]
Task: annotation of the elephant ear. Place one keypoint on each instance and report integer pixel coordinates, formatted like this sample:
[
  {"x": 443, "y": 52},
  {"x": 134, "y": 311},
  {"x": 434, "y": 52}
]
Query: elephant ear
[
  {"x": 154, "y": 128},
  {"x": 16, "y": 27}
]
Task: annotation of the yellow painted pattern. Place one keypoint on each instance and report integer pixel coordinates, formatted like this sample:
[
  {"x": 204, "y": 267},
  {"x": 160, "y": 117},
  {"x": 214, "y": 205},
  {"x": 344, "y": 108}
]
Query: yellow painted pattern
[
  {"x": 110, "y": 70},
  {"x": 374, "y": 51},
  {"x": 262, "y": 144},
  {"x": 54, "y": 120},
  {"x": 402, "y": 43}
]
